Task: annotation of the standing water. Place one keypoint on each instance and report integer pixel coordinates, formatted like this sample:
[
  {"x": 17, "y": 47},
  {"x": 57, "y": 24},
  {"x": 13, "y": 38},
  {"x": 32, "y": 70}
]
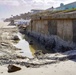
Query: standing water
[{"x": 24, "y": 46}]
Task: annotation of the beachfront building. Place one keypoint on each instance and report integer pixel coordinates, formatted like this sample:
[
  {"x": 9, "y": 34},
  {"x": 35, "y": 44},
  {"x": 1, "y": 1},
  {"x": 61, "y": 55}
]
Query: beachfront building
[
  {"x": 51, "y": 9},
  {"x": 34, "y": 11},
  {"x": 67, "y": 6}
]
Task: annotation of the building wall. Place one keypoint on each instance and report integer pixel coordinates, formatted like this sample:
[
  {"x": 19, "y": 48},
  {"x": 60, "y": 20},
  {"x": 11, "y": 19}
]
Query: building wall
[
  {"x": 46, "y": 27},
  {"x": 40, "y": 26},
  {"x": 65, "y": 29},
  {"x": 52, "y": 27},
  {"x": 74, "y": 30}
]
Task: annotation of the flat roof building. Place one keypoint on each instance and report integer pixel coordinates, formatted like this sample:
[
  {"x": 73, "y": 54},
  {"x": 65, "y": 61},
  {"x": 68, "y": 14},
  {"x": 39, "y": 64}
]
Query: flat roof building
[{"x": 67, "y": 6}]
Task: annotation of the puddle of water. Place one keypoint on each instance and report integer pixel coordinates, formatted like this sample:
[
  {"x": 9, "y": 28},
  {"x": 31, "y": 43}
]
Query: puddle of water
[
  {"x": 32, "y": 50},
  {"x": 26, "y": 50}
]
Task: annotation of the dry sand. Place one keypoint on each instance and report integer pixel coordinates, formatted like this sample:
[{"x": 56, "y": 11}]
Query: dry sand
[{"x": 63, "y": 68}]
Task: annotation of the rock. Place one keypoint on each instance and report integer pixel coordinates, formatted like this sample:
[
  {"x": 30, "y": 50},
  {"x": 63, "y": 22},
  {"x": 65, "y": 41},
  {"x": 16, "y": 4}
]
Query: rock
[
  {"x": 4, "y": 44},
  {"x": 15, "y": 37},
  {"x": 13, "y": 68},
  {"x": 31, "y": 42},
  {"x": 21, "y": 57},
  {"x": 38, "y": 53},
  {"x": 65, "y": 48}
]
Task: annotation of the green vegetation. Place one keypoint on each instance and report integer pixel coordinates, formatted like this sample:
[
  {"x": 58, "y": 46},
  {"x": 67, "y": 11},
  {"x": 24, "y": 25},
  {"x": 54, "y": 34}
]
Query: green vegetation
[
  {"x": 70, "y": 10},
  {"x": 48, "y": 13}
]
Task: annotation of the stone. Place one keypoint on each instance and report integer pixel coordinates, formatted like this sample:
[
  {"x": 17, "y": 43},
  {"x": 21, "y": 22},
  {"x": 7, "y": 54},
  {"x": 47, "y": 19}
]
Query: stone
[
  {"x": 38, "y": 53},
  {"x": 31, "y": 42},
  {"x": 15, "y": 37},
  {"x": 13, "y": 68},
  {"x": 4, "y": 44}
]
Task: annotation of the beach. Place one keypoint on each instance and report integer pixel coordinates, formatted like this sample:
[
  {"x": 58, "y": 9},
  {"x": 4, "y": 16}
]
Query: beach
[{"x": 48, "y": 64}]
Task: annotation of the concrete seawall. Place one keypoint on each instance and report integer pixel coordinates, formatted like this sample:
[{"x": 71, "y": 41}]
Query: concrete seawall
[{"x": 60, "y": 24}]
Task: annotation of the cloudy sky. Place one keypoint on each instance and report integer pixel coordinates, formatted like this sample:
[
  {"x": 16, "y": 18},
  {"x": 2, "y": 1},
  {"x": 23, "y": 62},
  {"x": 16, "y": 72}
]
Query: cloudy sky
[{"x": 14, "y": 7}]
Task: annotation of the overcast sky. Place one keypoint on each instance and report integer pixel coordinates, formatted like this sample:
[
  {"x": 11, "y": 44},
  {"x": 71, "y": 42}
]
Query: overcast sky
[{"x": 14, "y": 7}]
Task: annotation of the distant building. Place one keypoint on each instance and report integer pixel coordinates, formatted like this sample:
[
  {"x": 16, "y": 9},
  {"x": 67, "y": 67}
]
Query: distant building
[
  {"x": 67, "y": 6},
  {"x": 51, "y": 9},
  {"x": 63, "y": 7},
  {"x": 35, "y": 11},
  {"x": 22, "y": 22}
]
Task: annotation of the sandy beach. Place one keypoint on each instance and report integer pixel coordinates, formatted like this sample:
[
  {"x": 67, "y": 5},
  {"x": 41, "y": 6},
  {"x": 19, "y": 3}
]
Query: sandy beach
[
  {"x": 63, "y": 68},
  {"x": 48, "y": 64}
]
